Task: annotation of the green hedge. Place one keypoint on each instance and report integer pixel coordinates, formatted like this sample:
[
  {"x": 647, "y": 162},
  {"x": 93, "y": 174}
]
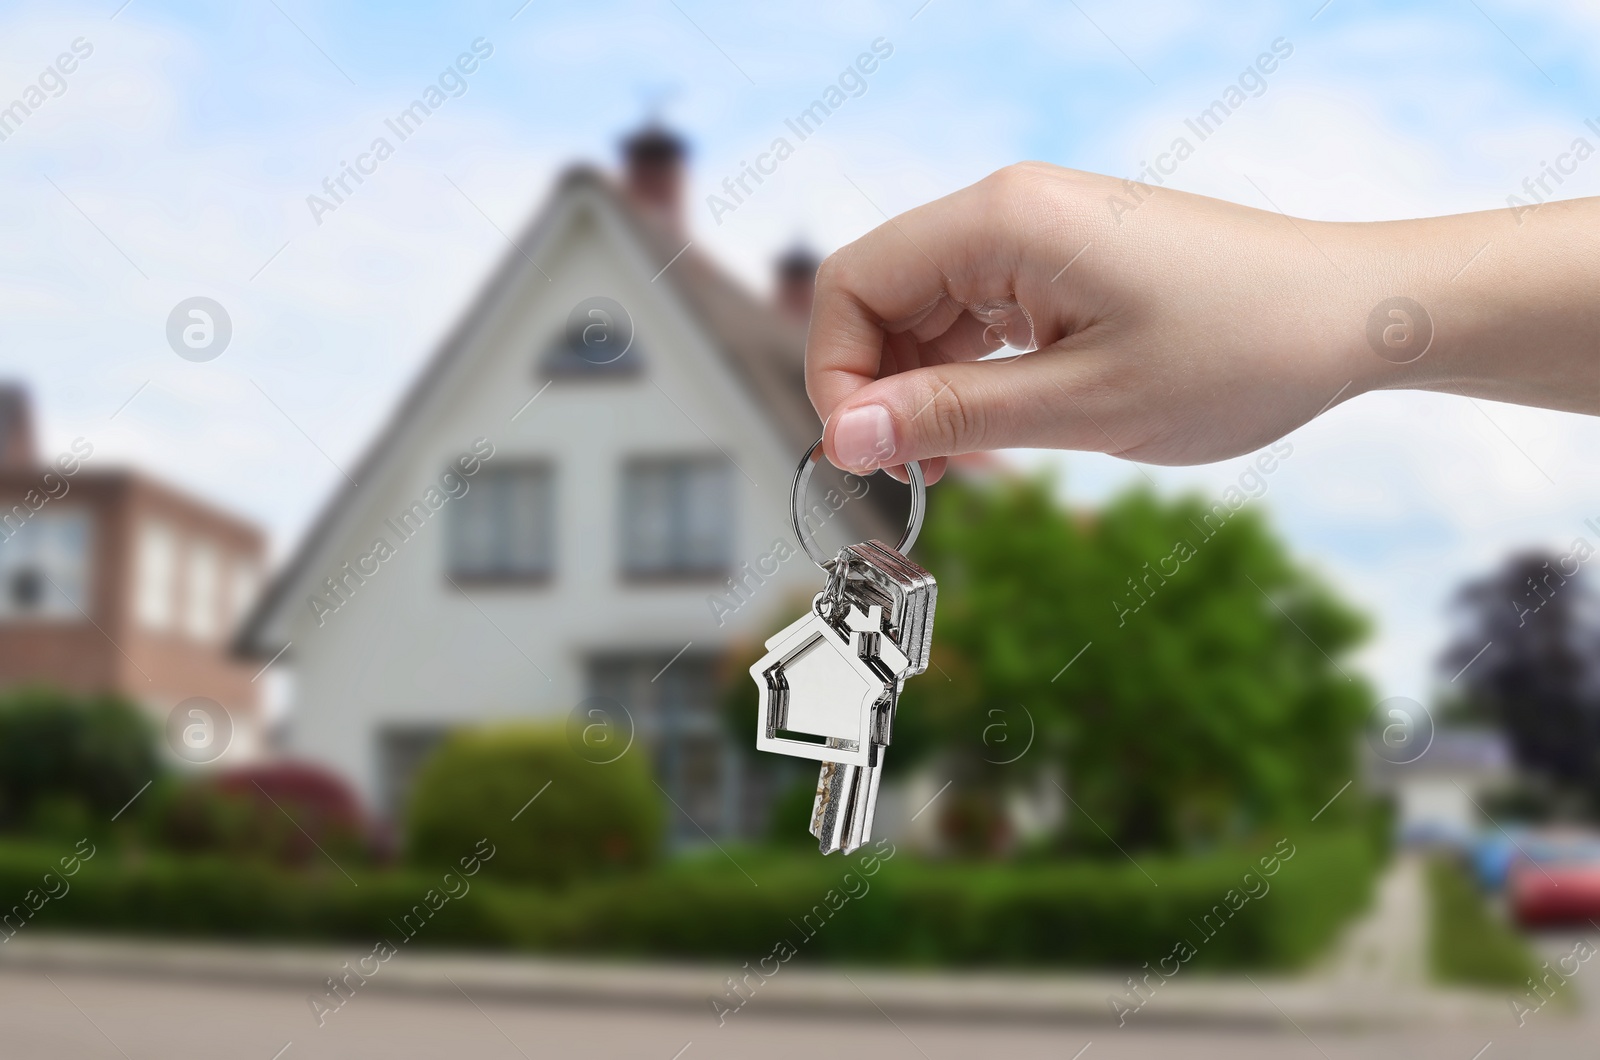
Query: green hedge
[
  {"x": 907, "y": 913},
  {"x": 1074, "y": 914}
]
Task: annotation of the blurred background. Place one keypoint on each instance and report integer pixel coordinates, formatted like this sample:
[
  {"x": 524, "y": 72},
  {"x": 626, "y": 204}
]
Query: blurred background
[{"x": 399, "y": 408}]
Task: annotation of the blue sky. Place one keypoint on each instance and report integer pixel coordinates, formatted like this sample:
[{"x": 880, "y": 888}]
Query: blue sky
[{"x": 178, "y": 160}]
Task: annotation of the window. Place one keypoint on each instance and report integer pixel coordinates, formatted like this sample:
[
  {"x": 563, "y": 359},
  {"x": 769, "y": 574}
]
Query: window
[
  {"x": 44, "y": 567},
  {"x": 677, "y": 518},
  {"x": 503, "y": 527},
  {"x": 402, "y": 752},
  {"x": 155, "y": 566},
  {"x": 597, "y": 343},
  {"x": 200, "y": 614}
]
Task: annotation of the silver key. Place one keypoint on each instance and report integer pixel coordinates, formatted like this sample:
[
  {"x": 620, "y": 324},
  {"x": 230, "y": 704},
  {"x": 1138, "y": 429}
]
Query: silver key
[
  {"x": 881, "y": 578},
  {"x": 829, "y": 693},
  {"x": 831, "y": 680},
  {"x": 841, "y": 816}
]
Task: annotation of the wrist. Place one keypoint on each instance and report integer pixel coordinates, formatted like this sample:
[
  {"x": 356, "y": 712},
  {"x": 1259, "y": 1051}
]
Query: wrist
[
  {"x": 1498, "y": 305},
  {"x": 1363, "y": 321}
]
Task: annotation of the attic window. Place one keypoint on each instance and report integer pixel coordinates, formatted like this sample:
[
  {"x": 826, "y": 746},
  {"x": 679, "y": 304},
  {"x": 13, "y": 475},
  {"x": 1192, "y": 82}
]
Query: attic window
[{"x": 598, "y": 342}]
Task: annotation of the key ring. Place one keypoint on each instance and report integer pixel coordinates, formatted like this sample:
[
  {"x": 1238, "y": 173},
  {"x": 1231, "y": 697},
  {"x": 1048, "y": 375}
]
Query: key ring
[{"x": 797, "y": 499}]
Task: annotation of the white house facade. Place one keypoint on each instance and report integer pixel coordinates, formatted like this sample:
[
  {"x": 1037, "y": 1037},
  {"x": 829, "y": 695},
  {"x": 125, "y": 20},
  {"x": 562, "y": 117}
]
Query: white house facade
[{"x": 584, "y": 495}]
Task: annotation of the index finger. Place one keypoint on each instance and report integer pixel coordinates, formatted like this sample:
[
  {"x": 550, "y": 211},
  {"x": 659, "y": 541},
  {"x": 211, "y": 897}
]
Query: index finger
[{"x": 918, "y": 270}]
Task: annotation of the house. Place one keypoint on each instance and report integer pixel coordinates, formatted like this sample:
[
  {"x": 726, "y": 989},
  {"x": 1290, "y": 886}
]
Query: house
[
  {"x": 585, "y": 494},
  {"x": 1441, "y": 794},
  {"x": 113, "y": 582}
]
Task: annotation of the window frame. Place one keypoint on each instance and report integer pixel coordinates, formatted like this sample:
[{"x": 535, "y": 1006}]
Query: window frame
[
  {"x": 508, "y": 578},
  {"x": 671, "y": 702},
  {"x": 632, "y": 574},
  {"x": 404, "y": 747},
  {"x": 40, "y": 551}
]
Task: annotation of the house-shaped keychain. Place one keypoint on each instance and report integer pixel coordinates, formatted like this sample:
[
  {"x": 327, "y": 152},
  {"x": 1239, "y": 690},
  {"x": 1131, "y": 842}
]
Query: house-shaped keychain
[{"x": 819, "y": 686}]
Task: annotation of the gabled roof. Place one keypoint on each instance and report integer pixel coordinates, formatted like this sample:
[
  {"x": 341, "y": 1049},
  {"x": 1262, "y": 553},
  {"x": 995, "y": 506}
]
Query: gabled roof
[{"x": 765, "y": 349}]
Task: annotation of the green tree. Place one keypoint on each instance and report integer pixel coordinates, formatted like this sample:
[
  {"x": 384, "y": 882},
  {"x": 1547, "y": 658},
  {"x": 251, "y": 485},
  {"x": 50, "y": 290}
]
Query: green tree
[
  {"x": 1206, "y": 701},
  {"x": 1524, "y": 653},
  {"x": 63, "y": 754}
]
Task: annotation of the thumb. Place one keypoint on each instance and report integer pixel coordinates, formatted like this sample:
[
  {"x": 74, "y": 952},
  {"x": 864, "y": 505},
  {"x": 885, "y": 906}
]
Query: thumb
[{"x": 962, "y": 407}]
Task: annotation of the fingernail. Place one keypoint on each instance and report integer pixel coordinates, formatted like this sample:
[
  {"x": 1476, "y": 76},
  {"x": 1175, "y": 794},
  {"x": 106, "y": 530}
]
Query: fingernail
[{"x": 864, "y": 439}]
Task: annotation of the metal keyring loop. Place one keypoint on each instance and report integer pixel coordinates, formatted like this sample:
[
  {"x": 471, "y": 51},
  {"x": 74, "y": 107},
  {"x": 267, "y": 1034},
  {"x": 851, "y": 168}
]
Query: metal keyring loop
[{"x": 797, "y": 499}]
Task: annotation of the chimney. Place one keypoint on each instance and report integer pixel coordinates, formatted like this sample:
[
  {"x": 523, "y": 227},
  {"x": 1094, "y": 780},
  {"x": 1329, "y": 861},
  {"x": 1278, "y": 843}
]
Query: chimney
[
  {"x": 16, "y": 429},
  {"x": 797, "y": 281},
  {"x": 653, "y": 161}
]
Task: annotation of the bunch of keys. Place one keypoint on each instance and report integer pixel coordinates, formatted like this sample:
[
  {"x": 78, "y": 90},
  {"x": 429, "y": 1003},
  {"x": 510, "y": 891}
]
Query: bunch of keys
[{"x": 831, "y": 680}]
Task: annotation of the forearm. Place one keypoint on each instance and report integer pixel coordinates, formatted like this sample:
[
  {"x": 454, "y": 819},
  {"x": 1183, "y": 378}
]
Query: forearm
[{"x": 1513, "y": 298}]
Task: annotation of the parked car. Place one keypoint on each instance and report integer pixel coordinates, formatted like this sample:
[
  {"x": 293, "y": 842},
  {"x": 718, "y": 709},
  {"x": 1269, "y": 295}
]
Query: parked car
[
  {"x": 1494, "y": 852},
  {"x": 1546, "y": 895},
  {"x": 1554, "y": 878},
  {"x": 1492, "y": 855}
]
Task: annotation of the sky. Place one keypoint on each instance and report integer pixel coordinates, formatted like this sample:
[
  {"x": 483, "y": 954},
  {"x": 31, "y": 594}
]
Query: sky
[{"x": 176, "y": 160}]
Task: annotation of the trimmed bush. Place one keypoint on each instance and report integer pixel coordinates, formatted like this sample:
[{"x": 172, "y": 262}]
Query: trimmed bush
[
  {"x": 894, "y": 911},
  {"x": 121, "y": 890},
  {"x": 58, "y": 749},
  {"x": 1080, "y": 913},
  {"x": 588, "y": 819}
]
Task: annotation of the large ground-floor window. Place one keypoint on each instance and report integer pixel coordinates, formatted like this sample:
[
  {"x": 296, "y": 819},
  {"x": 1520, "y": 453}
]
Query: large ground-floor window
[{"x": 402, "y": 752}]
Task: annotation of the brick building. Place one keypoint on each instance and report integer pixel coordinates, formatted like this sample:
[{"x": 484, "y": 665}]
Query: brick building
[{"x": 111, "y": 581}]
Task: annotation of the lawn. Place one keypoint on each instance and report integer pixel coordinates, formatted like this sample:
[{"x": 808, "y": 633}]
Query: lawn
[{"x": 1467, "y": 944}]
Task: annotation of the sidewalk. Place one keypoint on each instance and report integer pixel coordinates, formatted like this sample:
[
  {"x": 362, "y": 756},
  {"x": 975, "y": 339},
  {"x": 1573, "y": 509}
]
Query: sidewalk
[
  {"x": 1046, "y": 998},
  {"x": 1388, "y": 946}
]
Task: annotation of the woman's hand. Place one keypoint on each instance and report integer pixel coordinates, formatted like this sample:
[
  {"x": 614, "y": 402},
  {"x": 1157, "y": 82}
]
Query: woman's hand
[{"x": 1175, "y": 329}]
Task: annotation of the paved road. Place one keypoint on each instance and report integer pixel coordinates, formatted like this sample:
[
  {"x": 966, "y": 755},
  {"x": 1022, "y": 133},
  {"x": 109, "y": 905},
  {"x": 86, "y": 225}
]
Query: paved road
[{"x": 72, "y": 1015}]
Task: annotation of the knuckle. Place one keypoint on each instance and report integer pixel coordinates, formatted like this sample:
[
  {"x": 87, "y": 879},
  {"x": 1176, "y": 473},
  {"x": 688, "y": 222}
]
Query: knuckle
[
  {"x": 1010, "y": 194},
  {"x": 953, "y": 421},
  {"x": 1017, "y": 180}
]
